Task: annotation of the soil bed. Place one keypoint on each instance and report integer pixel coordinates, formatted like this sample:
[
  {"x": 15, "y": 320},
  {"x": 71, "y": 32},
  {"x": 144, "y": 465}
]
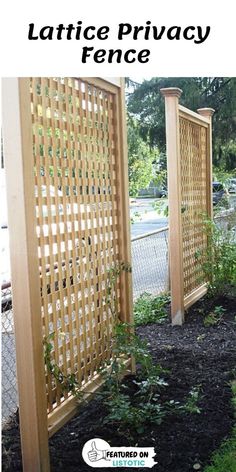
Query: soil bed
[{"x": 196, "y": 356}]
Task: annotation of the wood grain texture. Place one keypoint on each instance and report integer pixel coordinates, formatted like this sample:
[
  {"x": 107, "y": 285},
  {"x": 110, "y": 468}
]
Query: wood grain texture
[
  {"x": 174, "y": 195},
  {"x": 25, "y": 275},
  {"x": 81, "y": 184}
]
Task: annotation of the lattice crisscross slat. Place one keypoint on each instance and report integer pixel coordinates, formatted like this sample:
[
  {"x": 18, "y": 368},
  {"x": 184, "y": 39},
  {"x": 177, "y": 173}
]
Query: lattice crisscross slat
[
  {"x": 74, "y": 148},
  {"x": 193, "y": 156}
]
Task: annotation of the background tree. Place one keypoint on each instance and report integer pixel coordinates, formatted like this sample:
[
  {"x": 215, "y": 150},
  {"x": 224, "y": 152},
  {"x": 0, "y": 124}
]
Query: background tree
[
  {"x": 146, "y": 104},
  {"x": 141, "y": 157}
]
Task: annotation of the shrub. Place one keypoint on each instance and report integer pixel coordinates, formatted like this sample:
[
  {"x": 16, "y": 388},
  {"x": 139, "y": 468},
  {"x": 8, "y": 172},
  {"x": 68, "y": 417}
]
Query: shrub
[
  {"x": 214, "y": 317},
  {"x": 218, "y": 260},
  {"x": 149, "y": 309},
  {"x": 134, "y": 409}
]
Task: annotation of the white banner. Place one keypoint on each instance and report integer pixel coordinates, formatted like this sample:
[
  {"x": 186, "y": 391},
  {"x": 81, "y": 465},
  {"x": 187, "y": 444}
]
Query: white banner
[
  {"x": 153, "y": 38},
  {"x": 98, "y": 453}
]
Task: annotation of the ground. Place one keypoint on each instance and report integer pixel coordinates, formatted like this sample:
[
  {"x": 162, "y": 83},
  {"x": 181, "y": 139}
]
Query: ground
[{"x": 196, "y": 356}]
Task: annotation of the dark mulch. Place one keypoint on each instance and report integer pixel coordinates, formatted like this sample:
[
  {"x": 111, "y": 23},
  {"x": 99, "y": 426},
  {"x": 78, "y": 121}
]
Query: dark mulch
[{"x": 196, "y": 356}]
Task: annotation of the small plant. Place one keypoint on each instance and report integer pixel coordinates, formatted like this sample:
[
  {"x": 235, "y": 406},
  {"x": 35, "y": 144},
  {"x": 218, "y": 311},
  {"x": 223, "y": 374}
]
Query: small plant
[
  {"x": 149, "y": 309},
  {"x": 125, "y": 345},
  {"x": 219, "y": 311},
  {"x": 110, "y": 298},
  {"x": 130, "y": 418},
  {"x": 191, "y": 405},
  {"x": 136, "y": 216},
  {"x": 132, "y": 414},
  {"x": 67, "y": 383},
  {"x": 201, "y": 337},
  {"x": 214, "y": 317},
  {"x": 161, "y": 207}
]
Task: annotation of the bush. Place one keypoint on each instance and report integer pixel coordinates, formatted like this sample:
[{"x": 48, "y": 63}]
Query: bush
[
  {"x": 218, "y": 260},
  {"x": 149, "y": 309}
]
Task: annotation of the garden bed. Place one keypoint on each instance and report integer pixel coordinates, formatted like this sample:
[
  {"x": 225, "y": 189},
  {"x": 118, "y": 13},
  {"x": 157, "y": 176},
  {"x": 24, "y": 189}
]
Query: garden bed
[{"x": 197, "y": 356}]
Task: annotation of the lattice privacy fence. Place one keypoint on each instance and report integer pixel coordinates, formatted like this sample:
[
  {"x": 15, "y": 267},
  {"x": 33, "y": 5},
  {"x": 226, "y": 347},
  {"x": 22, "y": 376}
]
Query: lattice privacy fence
[
  {"x": 194, "y": 188},
  {"x": 75, "y": 149},
  {"x": 71, "y": 192},
  {"x": 189, "y": 189}
]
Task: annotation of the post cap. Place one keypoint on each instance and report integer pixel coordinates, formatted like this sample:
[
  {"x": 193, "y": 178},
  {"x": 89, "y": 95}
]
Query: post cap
[
  {"x": 207, "y": 112},
  {"x": 171, "y": 92}
]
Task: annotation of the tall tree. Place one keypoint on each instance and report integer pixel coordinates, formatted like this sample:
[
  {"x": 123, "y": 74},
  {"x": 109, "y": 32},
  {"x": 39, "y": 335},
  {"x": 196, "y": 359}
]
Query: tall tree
[{"x": 147, "y": 105}]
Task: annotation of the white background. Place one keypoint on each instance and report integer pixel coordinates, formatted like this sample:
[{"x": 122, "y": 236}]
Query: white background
[{"x": 214, "y": 57}]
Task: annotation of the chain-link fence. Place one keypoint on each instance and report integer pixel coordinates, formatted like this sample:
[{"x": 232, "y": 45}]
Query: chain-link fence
[
  {"x": 9, "y": 383},
  {"x": 150, "y": 256},
  {"x": 150, "y": 263},
  {"x": 227, "y": 220}
]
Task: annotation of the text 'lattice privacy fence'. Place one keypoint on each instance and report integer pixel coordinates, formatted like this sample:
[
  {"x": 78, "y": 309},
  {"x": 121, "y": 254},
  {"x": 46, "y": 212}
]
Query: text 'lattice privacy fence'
[
  {"x": 188, "y": 136},
  {"x": 67, "y": 185}
]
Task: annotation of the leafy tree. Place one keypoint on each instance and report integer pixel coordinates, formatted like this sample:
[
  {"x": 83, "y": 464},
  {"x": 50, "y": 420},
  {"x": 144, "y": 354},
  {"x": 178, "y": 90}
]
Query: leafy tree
[
  {"x": 141, "y": 157},
  {"x": 147, "y": 105}
]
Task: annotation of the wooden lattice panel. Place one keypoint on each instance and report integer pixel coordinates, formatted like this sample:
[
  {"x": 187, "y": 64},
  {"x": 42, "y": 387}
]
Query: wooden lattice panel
[
  {"x": 74, "y": 148},
  {"x": 193, "y": 160}
]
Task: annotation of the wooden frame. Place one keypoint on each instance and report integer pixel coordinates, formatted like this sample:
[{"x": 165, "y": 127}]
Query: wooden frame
[
  {"x": 24, "y": 269},
  {"x": 123, "y": 203},
  {"x": 188, "y": 136},
  {"x": 24, "y": 175}
]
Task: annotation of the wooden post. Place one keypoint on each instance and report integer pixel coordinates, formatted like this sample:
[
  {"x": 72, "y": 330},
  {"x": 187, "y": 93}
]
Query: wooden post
[
  {"x": 123, "y": 211},
  {"x": 208, "y": 113},
  {"x": 18, "y": 149},
  {"x": 123, "y": 207},
  {"x": 172, "y": 96}
]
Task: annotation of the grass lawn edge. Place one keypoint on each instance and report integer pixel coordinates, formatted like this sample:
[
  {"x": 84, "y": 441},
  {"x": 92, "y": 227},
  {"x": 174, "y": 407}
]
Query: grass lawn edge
[{"x": 224, "y": 458}]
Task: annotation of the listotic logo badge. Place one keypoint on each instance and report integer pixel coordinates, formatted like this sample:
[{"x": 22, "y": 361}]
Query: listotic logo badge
[{"x": 98, "y": 453}]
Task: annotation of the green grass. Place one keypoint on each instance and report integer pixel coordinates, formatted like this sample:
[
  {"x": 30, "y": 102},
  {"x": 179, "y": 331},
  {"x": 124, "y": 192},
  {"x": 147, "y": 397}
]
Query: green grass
[
  {"x": 224, "y": 459},
  {"x": 149, "y": 309}
]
